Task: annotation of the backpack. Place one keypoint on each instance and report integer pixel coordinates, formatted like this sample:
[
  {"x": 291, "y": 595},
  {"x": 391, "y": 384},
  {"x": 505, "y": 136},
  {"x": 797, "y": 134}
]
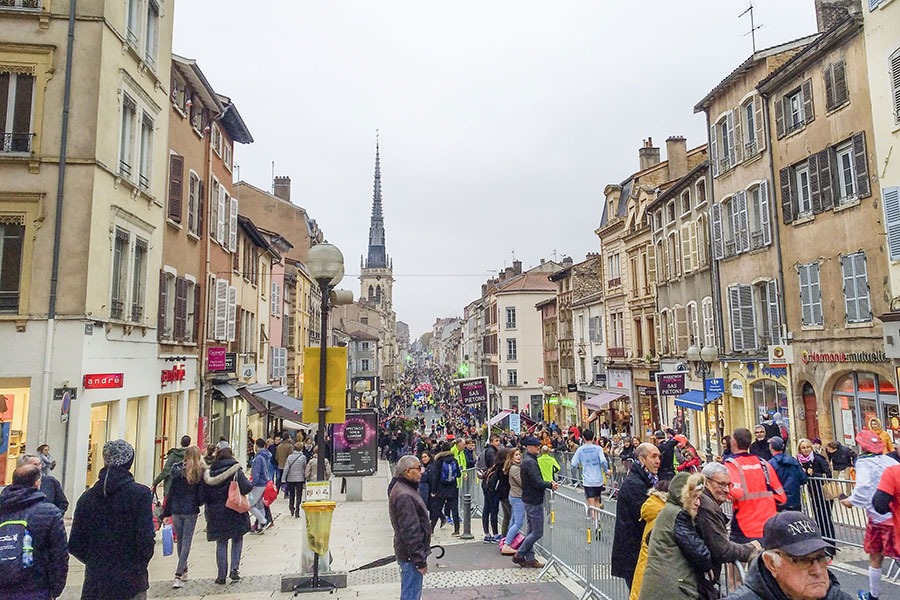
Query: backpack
[
  {"x": 449, "y": 471},
  {"x": 16, "y": 552}
]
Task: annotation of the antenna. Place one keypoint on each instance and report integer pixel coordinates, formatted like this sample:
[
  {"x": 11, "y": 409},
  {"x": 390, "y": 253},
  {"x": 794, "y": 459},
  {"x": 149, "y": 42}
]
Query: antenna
[
  {"x": 753, "y": 26},
  {"x": 273, "y": 176}
]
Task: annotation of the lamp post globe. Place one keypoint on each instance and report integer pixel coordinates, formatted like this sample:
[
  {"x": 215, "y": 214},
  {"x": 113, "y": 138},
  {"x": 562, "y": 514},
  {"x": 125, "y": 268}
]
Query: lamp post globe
[
  {"x": 325, "y": 262},
  {"x": 693, "y": 353},
  {"x": 338, "y": 276},
  {"x": 709, "y": 354},
  {"x": 361, "y": 386},
  {"x": 548, "y": 389}
]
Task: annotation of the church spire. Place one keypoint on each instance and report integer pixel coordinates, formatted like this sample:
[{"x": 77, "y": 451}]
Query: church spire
[{"x": 377, "y": 258}]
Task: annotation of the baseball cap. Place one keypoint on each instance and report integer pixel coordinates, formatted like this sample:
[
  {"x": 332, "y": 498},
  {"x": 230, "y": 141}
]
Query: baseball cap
[
  {"x": 680, "y": 439},
  {"x": 869, "y": 442},
  {"x": 776, "y": 443},
  {"x": 794, "y": 533},
  {"x": 531, "y": 441},
  {"x": 659, "y": 434}
]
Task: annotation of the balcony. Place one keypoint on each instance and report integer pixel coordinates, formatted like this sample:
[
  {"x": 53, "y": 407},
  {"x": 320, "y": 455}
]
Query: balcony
[
  {"x": 117, "y": 310},
  {"x": 23, "y": 4},
  {"x": 756, "y": 240},
  {"x": 615, "y": 281},
  {"x": 16, "y": 142},
  {"x": 751, "y": 148},
  {"x": 9, "y": 302}
]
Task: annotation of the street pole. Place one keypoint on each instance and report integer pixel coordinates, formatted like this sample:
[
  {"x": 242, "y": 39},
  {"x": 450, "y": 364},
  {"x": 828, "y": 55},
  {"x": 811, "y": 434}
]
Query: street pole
[
  {"x": 323, "y": 371},
  {"x": 705, "y": 372}
]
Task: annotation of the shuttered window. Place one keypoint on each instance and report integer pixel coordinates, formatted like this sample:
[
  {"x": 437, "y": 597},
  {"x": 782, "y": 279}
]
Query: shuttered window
[
  {"x": 810, "y": 294},
  {"x": 717, "y": 233},
  {"x": 687, "y": 255},
  {"x": 16, "y": 99},
  {"x": 895, "y": 84},
  {"x": 771, "y": 308},
  {"x": 743, "y": 322},
  {"x": 891, "y": 201},
  {"x": 231, "y": 315},
  {"x": 221, "y": 212},
  {"x": 836, "y": 90},
  {"x": 232, "y": 223},
  {"x": 693, "y": 322},
  {"x": 176, "y": 186},
  {"x": 180, "y": 308},
  {"x": 709, "y": 325},
  {"x": 221, "y": 310},
  {"x": 856, "y": 288},
  {"x": 740, "y": 225}
]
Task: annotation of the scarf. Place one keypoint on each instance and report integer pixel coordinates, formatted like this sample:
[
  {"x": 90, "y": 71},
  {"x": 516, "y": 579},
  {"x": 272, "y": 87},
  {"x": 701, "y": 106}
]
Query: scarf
[
  {"x": 806, "y": 459},
  {"x": 651, "y": 476}
]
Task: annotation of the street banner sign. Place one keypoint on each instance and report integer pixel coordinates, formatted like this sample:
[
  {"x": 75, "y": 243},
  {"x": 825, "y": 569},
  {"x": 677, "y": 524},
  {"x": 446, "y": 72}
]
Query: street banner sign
[
  {"x": 356, "y": 444},
  {"x": 715, "y": 386},
  {"x": 473, "y": 391},
  {"x": 515, "y": 423},
  {"x": 671, "y": 384},
  {"x": 335, "y": 386}
]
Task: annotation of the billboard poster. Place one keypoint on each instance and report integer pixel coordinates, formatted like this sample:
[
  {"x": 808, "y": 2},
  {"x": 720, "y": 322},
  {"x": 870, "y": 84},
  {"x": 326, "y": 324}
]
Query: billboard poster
[
  {"x": 356, "y": 444},
  {"x": 671, "y": 384},
  {"x": 473, "y": 391}
]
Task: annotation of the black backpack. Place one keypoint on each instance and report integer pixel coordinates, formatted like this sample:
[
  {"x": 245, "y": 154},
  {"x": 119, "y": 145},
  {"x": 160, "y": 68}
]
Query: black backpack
[{"x": 16, "y": 552}]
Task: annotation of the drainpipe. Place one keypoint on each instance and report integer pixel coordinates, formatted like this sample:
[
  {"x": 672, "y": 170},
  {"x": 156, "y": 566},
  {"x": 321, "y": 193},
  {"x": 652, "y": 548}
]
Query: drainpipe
[
  {"x": 57, "y": 233},
  {"x": 713, "y": 261}
]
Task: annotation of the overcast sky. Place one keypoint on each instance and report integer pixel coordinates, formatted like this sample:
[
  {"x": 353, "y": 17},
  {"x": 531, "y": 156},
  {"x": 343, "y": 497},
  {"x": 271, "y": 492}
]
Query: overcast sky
[{"x": 501, "y": 120}]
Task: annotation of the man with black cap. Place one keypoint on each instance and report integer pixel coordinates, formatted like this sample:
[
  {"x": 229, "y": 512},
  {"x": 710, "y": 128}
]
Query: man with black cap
[
  {"x": 793, "y": 565},
  {"x": 667, "y": 454},
  {"x": 112, "y": 530},
  {"x": 533, "y": 486},
  {"x": 790, "y": 473}
]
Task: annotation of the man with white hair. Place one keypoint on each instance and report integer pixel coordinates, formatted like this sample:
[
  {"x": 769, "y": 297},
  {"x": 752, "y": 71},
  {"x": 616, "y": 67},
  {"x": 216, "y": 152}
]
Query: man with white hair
[{"x": 412, "y": 527}]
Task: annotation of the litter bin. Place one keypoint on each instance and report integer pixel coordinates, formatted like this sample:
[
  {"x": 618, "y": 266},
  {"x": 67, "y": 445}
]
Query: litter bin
[{"x": 318, "y": 525}]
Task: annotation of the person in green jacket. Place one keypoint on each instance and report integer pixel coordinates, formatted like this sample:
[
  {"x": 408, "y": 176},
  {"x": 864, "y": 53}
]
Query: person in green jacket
[
  {"x": 174, "y": 456},
  {"x": 458, "y": 453},
  {"x": 547, "y": 463}
]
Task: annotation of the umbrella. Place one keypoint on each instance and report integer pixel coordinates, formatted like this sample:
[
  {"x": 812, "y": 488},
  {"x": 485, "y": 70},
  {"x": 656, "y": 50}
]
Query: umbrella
[{"x": 389, "y": 559}]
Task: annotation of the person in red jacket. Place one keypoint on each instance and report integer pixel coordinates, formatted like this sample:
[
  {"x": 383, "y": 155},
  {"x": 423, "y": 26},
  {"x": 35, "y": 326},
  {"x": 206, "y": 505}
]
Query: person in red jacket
[
  {"x": 755, "y": 489},
  {"x": 692, "y": 462}
]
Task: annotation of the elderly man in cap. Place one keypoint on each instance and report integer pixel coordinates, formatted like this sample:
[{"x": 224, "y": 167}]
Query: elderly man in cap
[
  {"x": 112, "y": 530},
  {"x": 793, "y": 565},
  {"x": 533, "y": 486},
  {"x": 412, "y": 529}
]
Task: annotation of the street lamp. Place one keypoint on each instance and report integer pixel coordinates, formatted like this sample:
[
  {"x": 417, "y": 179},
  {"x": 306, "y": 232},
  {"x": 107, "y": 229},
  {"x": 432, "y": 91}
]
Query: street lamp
[
  {"x": 703, "y": 357},
  {"x": 325, "y": 264},
  {"x": 360, "y": 387},
  {"x": 548, "y": 391}
]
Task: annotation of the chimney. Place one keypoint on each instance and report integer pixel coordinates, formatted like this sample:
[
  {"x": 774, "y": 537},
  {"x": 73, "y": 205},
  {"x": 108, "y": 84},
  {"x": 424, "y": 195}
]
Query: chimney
[
  {"x": 648, "y": 154},
  {"x": 517, "y": 267},
  {"x": 567, "y": 261},
  {"x": 676, "y": 154},
  {"x": 283, "y": 188},
  {"x": 509, "y": 272},
  {"x": 830, "y": 12}
]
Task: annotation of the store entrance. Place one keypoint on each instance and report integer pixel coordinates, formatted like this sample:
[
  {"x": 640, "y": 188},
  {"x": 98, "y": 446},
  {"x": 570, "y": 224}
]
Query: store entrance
[
  {"x": 13, "y": 429},
  {"x": 166, "y": 422},
  {"x": 97, "y": 438},
  {"x": 859, "y": 398}
]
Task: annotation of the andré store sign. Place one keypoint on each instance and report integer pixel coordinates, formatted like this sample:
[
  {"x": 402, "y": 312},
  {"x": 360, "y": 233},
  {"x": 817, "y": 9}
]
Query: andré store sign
[{"x": 103, "y": 381}]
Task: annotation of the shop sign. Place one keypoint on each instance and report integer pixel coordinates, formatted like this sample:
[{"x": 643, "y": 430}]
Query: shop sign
[
  {"x": 781, "y": 355},
  {"x": 861, "y": 357},
  {"x": 215, "y": 359},
  {"x": 553, "y": 400},
  {"x": 671, "y": 384},
  {"x": 618, "y": 378},
  {"x": 248, "y": 371},
  {"x": 645, "y": 390},
  {"x": 737, "y": 388},
  {"x": 568, "y": 402},
  {"x": 173, "y": 375},
  {"x": 103, "y": 381},
  {"x": 715, "y": 386},
  {"x": 230, "y": 362},
  {"x": 571, "y": 387}
]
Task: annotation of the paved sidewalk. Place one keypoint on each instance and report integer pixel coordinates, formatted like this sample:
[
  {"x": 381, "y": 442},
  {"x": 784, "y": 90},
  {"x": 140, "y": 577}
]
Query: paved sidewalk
[{"x": 361, "y": 533}]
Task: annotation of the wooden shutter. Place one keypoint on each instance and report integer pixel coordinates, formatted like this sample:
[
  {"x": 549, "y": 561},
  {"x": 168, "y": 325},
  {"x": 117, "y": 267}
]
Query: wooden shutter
[
  {"x": 192, "y": 201},
  {"x": 200, "y": 207},
  {"x": 748, "y": 316},
  {"x": 658, "y": 329},
  {"x": 825, "y": 182},
  {"x": 232, "y": 313},
  {"x": 729, "y": 147},
  {"x": 161, "y": 309},
  {"x": 221, "y": 326},
  {"x": 687, "y": 257},
  {"x": 895, "y": 84},
  {"x": 221, "y": 215},
  {"x": 651, "y": 266},
  {"x": 841, "y": 89},
  {"x": 815, "y": 194},
  {"x": 692, "y": 231},
  {"x": 774, "y": 318},
  {"x": 850, "y": 305},
  {"x": 860, "y": 160},
  {"x": 716, "y": 222},
  {"x": 788, "y": 206},
  {"x": 238, "y": 328},
  {"x": 891, "y": 201},
  {"x": 803, "y": 272},
  {"x": 233, "y": 224},
  {"x": 738, "y": 141},
  {"x": 198, "y": 308},
  {"x": 765, "y": 219},
  {"x": 741, "y": 223},
  {"x": 809, "y": 113},
  {"x": 862, "y": 286},
  {"x": 176, "y": 186},
  {"x": 779, "y": 118},
  {"x": 709, "y": 326},
  {"x": 713, "y": 153},
  {"x": 180, "y": 308},
  {"x": 682, "y": 332},
  {"x": 760, "y": 124},
  {"x": 816, "y": 294},
  {"x": 734, "y": 306},
  {"x": 828, "y": 76}
]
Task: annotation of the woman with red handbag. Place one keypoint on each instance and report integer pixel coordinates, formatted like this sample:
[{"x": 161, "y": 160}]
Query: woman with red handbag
[{"x": 224, "y": 492}]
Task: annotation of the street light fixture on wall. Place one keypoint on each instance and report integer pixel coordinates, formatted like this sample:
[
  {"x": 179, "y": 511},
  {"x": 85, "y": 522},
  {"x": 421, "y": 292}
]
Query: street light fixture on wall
[
  {"x": 325, "y": 264},
  {"x": 703, "y": 357}
]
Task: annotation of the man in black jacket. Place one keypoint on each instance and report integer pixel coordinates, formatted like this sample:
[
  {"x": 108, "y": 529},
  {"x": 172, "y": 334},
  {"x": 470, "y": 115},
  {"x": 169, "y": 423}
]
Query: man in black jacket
[
  {"x": 23, "y": 501},
  {"x": 629, "y": 526},
  {"x": 533, "y": 486},
  {"x": 50, "y": 485},
  {"x": 112, "y": 530},
  {"x": 412, "y": 529},
  {"x": 667, "y": 456}
]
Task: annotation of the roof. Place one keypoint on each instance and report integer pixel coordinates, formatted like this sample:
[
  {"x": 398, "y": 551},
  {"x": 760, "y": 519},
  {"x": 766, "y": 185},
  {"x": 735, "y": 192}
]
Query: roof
[
  {"x": 255, "y": 235},
  {"x": 234, "y": 124},
  {"x": 589, "y": 299},
  {"x": 362, "y": 335},
  {"x": 199, "y": 84},
  {"x": 546, "y": 302},
  {"x": 749, "y": 64},
  {"x": 527, "y": 282},
  {"x": 674, "y": 187},
  {"x": 561, "y": 274}
]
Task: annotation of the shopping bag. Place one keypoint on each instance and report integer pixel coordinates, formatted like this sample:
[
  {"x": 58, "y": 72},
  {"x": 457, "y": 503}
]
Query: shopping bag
[
  {"x": 831, "y": 490},
  {"x": 168, "y": 539},
  {"x": 157, "y": 512},
  {"x": 236, "y": 501},
  {"x": 517, "y": 541},
  {"x": 270, "y": 495}
]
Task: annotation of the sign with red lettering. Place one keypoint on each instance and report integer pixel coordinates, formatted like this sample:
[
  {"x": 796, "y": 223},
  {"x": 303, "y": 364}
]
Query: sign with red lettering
[
  {"x": 215, "y": 359},
  {"x": 176, "y": 373},
  {"x": 103, "y": 381}
]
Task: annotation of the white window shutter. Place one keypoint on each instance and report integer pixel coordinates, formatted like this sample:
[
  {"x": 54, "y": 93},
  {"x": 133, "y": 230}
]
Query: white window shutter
[
  {"x": 695, "y": 254},
  {"x": 716, "y": 223},
  {"x": 713, "y": 154},
  {"x": 232, "y": 312},
  {"x": 760, "y": 131},
  {"x": 849, "y": 288},
  {"x": 741, "y": 223},
  {"x": 738, "y": 141},
  {"x": 233, "y": 224},
  {"x": 816, "y": 294},
  {"x": 803, "y": 272},
  {"x": 709, "y": 331},
  {"x": 891, "y": 203},
  {"x": 657, "y": 326},
  {"x": 220, "y": 215},
  {"x": 862, "y": 286},
  {"x": 737, "y": 331},
  {"x": 764, "y": 219},
  {"x": 687, "y": 257},
  {"x": 774, "y": 312},
  {"x": 732, "y": 156},
  {"x": 221, "y": 330},
  {"x": 273, "y": 299}
]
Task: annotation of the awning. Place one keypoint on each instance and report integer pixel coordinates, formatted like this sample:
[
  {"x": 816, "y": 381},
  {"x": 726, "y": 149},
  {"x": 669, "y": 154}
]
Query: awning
[
  {"x": 226, "y": 390},
  {"x": 288, "y": 424},
  {"x": 282, "y": 405},
  {"x": 498, "y": 417},
  {"x": 600, "y": 401},
  {"x": 252, "y": 400},
  {"x": 693, "y": 399}
]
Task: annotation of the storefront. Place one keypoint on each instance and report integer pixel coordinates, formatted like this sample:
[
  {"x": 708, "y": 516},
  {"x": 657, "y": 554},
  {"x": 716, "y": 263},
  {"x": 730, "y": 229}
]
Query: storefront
[
  {"x": 858, "y": 398},
  {"x": 15, "y": 395},
  {"x": 754, "y": 391}
]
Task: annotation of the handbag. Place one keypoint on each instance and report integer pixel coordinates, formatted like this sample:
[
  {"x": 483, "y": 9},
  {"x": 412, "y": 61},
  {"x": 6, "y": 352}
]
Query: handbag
[
  {"x": 270, "y": 494},
  {"x": 831, "y": 490},
  {"x": 236, "y": 501},
  {"x": 517, "y": 541},
  {"x": 168, "y": 539}
]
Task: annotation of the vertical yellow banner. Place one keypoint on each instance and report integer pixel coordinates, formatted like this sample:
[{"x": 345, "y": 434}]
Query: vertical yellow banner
[{"x": 335, "y": 386}]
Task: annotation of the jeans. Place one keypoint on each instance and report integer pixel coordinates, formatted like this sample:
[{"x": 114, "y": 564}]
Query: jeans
[
  {"x": 183, "y": 526},
  {"x": 278, "y": 473},
  {"x": 410, "y": 581},
  {"x": 295, "y": 495},
  {"x": 517, "y": 520},
  {"x": 535, "y": 514},
  {"x": 222, "y": 555},
  {"x": 507, "y": 513},
  {"x": 257, "y": 509},
  {"x": 490, "y": 512}
]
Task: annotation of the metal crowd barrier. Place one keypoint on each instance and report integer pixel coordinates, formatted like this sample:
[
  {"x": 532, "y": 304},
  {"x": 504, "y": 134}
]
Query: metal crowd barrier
[{"x": 821, "y": 501}]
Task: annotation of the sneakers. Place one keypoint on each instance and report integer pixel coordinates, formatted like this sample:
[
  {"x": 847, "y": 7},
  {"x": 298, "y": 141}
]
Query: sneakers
[
  {"x": 234, "y": 575},
  {"x": 864, "y": 595},
  {"x": 488, "y": 539},
  {"x": 220, "y": 581},
  {"x": 506, "y": 550},
  {"x": 497, "y": 538},
  {"x": 269, "y": 525},
  {"x": 177, "y": 583},
  {"x": 259, "y": 530},
  {"x": 455, "y": 533},
  {"x": 183, "y": 576}
]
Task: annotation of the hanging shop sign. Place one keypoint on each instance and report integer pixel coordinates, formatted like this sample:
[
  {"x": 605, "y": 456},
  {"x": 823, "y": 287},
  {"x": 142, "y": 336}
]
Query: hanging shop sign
[
  {"x": 781, "y": 355},
  {"x": 103, "y": 381},
  {"x": 862, "y": 357},
  {"x": 618, "y": 379},
  {"x": 715, "y": 386},
  {"x": 568, "y": 402},
  {"x": 737, "y": 388},
  {"x": 215, "y": 359}
]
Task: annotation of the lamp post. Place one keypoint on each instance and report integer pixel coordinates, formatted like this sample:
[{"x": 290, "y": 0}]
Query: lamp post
[
  {"x": 704, "y": 356},
  {"x": 361, "y": 388},
  {"x": 326, "y": 265},
  {"x": 548, "y": 391}
]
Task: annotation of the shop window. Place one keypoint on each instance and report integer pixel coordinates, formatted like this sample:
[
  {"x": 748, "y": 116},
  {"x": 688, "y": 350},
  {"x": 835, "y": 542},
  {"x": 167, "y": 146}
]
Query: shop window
[
  {"x": 768, "y": 396},
  {"x": 860, "y": 397},
  {"x": 14, "y": 404}
]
